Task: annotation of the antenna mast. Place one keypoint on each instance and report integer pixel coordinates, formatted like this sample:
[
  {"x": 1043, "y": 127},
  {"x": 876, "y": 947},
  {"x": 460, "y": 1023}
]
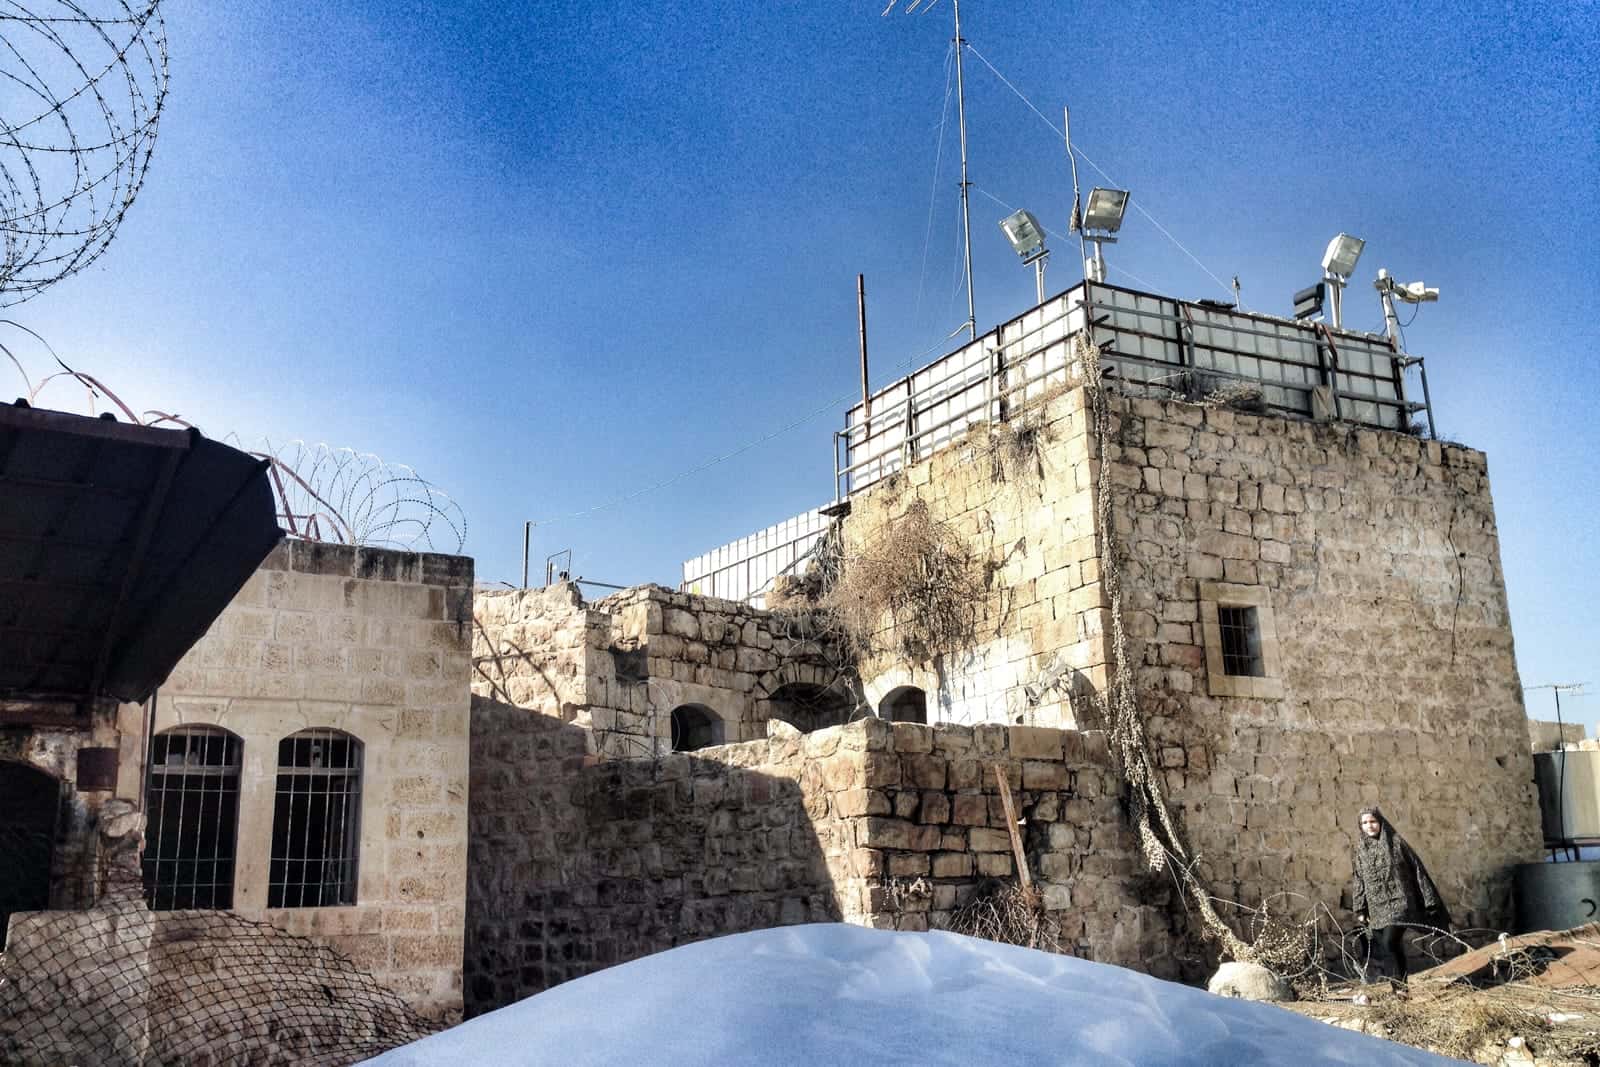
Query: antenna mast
[
  {"x": 1076, "y": 225},
  {"x": 966, "y": 222}
]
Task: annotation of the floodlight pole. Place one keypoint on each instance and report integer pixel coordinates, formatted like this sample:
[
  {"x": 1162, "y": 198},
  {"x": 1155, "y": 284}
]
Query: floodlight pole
[
  {"x": 1335, "y": 298},
  {"x": 1038, "y": 274},
  {"x": 966, "y": 222},
  {"x": 1391, "y": 320},
  {"x": 1095, "y": 269}
]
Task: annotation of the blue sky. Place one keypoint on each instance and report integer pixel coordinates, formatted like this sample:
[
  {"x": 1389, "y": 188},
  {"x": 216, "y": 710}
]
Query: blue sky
[{"x": 550, "y": 255}]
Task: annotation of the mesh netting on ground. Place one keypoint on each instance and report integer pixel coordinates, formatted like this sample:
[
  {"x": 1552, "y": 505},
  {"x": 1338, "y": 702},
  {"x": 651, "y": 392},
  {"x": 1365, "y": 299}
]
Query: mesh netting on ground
[{"x": 119, "y": 984}]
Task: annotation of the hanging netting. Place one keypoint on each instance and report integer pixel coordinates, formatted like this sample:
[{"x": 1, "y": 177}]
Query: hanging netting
[{"x": 120, "y": 984}]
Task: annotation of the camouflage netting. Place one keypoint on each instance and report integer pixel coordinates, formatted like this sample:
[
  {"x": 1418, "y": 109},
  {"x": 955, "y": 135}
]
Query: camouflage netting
[{"x": 122, "y": 985}]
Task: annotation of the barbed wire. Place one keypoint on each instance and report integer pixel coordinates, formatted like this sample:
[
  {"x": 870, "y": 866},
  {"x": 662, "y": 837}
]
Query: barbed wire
[
  {"x": 322, "y": 493},
  {"x": 338, "y": 494},
  {"x": 86, "y": 84}
]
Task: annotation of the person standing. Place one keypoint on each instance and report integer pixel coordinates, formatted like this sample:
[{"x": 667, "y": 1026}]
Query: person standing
[{"x": 1392, "y": 890}]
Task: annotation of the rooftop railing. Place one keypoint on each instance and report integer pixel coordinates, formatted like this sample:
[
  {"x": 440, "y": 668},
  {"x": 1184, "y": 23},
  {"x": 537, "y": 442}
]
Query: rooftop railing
[{"x": 1150, "y": 346}]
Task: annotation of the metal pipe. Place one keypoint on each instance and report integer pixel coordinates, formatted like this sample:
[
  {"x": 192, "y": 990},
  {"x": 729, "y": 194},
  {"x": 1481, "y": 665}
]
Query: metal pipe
[
  {"x": 1427, "y": 399},
  {"x": 1077, "y": 213},
  {"x": 861, "y": 321},
  {"x": 527, "y": 535},
  {"x": 966, "y": 221},
  {"x": 149, "y": 743}
]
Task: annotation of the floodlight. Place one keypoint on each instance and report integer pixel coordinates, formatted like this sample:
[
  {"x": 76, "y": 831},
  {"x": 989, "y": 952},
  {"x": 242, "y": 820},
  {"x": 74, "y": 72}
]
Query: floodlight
[
  {"x": 1416, "y": 293},
  {"x": 1308, "y": 301},
  {"x": 1105, "y": 210},
  {"x": 1024, "y": 233},
  {"x": 1343, "y": 251}
]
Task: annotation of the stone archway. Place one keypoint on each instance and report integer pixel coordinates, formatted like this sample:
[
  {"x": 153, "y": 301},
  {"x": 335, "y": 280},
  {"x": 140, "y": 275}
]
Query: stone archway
[
  {"x": 904, "y": 703},
  {"x": 31, "y": 801},
  {"x": 695, "y": 726}
]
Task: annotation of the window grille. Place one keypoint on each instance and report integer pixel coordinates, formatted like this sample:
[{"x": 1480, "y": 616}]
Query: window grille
[
  {"x": 192, "y": 800},
  {"x": 1241, "y": 641},
  {"x": 316, "y": 822}
]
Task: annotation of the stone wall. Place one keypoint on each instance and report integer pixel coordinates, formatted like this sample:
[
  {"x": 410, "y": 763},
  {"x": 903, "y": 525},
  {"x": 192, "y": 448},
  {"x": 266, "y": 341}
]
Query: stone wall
[
  {"x": 579, "y": 863},
  {"x": 1547, "y": 735},
  {"x": 1376, "y": 559},
  {"x": 1022, "y": 504},
  {"x": 49, "y": 738},
  {"x": 374, "y": 643},
  {"x": 1372, "y": 562},
  {"x": 618, "y": 668}
]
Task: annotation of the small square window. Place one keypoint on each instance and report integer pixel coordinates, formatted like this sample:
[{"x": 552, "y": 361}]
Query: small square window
[{"x": 1241, "y": 641}]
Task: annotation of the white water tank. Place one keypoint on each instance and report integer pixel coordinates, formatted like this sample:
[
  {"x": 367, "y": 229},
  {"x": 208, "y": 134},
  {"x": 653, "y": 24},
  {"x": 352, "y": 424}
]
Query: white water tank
[{"x": 1569, "y": 793}]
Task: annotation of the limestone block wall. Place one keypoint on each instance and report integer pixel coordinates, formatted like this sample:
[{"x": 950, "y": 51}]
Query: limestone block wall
[
  {"x": 617, "y": 668},
  {"x": 1372, "y": 562},
  {"x": 579, "y": 863},
  {"x": 375, "y": 643},
  {"x": 1375, "y": 555},
  {"x": 1036, "y": 650}
]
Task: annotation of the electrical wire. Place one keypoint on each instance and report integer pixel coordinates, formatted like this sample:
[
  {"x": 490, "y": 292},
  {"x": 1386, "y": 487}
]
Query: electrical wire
[{"x": 1137, "y": 206}]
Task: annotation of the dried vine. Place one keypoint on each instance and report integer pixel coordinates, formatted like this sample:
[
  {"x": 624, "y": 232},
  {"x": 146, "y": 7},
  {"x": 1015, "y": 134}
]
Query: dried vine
[
  {"x": 1160, "y": 839},
  {"x": 917, "y": 573}
]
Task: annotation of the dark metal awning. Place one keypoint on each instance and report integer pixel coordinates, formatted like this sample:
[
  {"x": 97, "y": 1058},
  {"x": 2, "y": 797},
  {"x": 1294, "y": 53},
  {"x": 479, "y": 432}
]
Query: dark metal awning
[{"x": 119, "y": 546}]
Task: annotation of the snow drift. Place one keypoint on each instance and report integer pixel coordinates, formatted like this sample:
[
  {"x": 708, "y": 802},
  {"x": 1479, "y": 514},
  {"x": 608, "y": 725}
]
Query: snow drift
[{"x": 837, "y": 994}]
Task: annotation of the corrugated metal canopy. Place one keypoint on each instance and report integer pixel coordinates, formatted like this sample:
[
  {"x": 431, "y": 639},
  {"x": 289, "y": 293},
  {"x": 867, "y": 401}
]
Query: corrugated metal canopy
[{"x": 119, "y": 545}]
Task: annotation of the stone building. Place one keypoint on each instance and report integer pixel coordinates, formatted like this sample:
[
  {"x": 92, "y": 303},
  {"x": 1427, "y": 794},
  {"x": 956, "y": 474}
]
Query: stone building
[
  {"x": 118, "y": 546},
  {"x": 1230, "y": 531},
  {"x": 308, "y": 761}
]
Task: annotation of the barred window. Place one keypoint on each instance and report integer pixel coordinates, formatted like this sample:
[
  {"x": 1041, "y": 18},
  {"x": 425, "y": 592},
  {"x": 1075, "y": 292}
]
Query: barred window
[
  {"x": 1241, "y": 641},
  {"x": 316, "y": 822},
  {"x": 192, "y": 800}
]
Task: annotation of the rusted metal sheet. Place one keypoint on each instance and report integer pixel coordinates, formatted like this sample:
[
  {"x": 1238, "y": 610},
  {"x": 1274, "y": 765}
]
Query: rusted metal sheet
[{"x": 97, "y": 768}]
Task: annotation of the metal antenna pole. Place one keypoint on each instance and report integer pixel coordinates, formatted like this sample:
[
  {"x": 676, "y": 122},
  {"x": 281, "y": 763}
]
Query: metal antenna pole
[
  {"x": 1077, "y": 207},
  {"x": 1561, "y": 746},
  {"x": 966, "y": 222},
  {"x": 861, "y": 321}
]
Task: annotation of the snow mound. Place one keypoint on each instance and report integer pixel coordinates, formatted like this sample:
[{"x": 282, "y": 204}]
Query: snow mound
[{"x": 838, "y": 994}]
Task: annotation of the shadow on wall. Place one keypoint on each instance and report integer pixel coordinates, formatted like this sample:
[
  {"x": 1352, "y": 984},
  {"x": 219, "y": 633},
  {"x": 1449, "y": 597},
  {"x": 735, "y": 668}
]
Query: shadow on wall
[{"x": 574, "y": 864}]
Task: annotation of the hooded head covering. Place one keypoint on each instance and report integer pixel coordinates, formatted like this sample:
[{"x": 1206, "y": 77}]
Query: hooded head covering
[{"x": 1392, "y": 885}]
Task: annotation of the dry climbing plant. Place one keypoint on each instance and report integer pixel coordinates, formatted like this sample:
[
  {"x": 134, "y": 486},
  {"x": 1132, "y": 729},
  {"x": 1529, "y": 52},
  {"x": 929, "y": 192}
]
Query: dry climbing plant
[
  {"x": 1016, "y": 445},
  {"x": 916, "y": 572},
  {"x": 1160, "y": 839}
]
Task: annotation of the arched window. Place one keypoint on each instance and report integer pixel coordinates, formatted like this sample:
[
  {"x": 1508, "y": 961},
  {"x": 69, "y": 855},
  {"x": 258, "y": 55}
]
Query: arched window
[
  {"x": 316, "y": 821},
  {"x": 695, "y": 726},
  {"x": 29, "y": 802},
  {"x": 808, "y": 707},
  {"x": 192, "y": 800},
  {"x": 906, "y": 703}
]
